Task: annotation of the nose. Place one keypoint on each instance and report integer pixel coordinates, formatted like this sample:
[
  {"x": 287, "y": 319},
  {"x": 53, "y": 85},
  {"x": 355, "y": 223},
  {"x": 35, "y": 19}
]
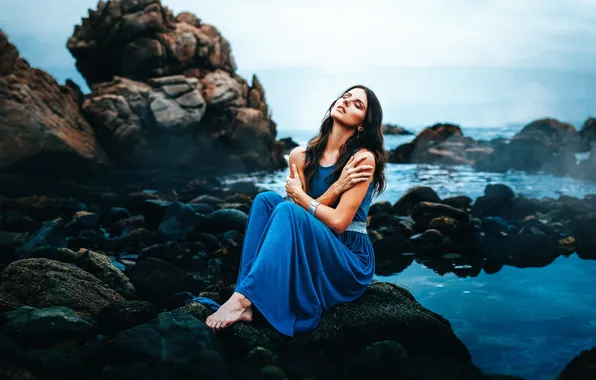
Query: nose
[{"x": 345, "y": 102}]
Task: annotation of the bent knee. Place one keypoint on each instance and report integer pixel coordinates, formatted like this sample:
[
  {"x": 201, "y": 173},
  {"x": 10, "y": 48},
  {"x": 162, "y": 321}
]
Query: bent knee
[
  {"x": 287, "y": 207},
  {"x": 269, "y": 196}
]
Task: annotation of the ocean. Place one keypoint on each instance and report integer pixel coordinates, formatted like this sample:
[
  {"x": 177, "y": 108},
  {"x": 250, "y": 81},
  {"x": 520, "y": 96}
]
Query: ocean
[{"x": 525, "y": 322}]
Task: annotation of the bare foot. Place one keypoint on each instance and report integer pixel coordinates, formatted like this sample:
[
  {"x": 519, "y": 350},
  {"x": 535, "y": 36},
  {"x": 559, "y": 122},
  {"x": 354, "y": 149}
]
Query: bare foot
[{"x": 237, "y": 308}]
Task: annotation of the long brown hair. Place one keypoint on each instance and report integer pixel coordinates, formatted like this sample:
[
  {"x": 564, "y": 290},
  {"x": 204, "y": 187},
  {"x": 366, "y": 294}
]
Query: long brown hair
[{"x": 371, "y": 138}]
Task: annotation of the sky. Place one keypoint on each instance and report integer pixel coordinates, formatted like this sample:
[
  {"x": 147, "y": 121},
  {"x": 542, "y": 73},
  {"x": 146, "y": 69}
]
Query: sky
[{"x": 475, "y": 63}]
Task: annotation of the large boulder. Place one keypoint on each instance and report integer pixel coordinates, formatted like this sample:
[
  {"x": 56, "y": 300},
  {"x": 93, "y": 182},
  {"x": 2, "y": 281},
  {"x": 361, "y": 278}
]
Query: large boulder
[
  {"x": 41, "y": 126},
  {"x": 384, "y": 312},
  {"x": 45, "y": 283}
]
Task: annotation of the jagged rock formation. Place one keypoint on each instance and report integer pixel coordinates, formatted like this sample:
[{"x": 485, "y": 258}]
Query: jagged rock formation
[{"x": 41, "y": 125}]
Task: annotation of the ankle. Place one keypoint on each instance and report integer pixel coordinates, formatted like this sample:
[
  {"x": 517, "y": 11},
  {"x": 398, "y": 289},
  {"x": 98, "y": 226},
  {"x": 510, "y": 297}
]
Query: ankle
[{"x": 245, "y": 302}]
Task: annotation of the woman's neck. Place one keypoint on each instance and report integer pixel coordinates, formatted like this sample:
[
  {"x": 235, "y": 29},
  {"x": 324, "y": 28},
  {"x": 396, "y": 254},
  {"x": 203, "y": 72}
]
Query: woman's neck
[{"x": 338, "y": 137}]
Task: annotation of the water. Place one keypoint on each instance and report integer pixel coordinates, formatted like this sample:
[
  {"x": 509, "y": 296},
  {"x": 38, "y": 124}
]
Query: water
[{"x": 525, "y": 322}]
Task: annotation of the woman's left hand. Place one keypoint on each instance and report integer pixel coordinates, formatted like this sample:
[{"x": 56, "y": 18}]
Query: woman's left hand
[{"x": 293, "y": 185}]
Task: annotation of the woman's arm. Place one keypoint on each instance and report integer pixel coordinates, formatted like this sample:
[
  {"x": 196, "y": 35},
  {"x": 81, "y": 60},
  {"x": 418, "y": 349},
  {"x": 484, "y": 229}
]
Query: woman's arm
[
  {"x": 298, "y": 157},
  {"x": 353, "y": 173},
  {"x": 339, "y": 218}
]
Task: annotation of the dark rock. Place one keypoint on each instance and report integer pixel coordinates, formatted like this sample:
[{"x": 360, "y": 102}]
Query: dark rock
[
  {"x": 440, "y": 144},
  {"x": 289, "y": 144},
  {"x": 84, "y": 219},
  {"x": 156, "y": 279},
  {"x": 582, "y": 367},
  {"x": 392, "y": 255},
  {"x": 390, "y": 129},
  {"x": 226, "y": 219},
  {"x": 545, "y": 144},
  {"x": 115, "y": 214},
  {"x": 378, "y": 207},
  {"x": 413, "y": 196},
  {"x": 588, "y": 134},
  {"x": 46, "y": 283},
  {"x": 101, "y": 267},
  {"x": 123, "y": 315},
  {"x": 40, "y": 327},
  {"x": 460, "y": 201},
  {"x": 424, "y": 212},
  {"x": 179, "y": 221},
  {"x": 174, "y": 343},
  {"x": 384, "y": 312},
  {"x": 51, "y": 234},
  {"x": 582, "y": 228},
  {"x": 499, "y": 193}
]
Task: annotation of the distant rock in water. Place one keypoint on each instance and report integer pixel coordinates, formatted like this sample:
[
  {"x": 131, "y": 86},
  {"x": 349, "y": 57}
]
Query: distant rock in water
[
  {"x": 588, "y": 134},
  {"x": 289, "y": 144},
  {"x": 41, "y": 125},
  {"x": 390, "y": 129},
  {"x": 440, "y": 144},
  {"x": 545, "y": 144}
]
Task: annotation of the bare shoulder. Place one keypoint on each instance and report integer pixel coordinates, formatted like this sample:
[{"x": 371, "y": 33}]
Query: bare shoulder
[
  {"x": 298, "y": 154},
  {"x": 369, "y": 157}
]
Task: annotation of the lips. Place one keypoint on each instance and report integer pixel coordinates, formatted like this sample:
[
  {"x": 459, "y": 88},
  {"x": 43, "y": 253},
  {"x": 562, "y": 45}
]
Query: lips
[{"x": 341, "y": 108}]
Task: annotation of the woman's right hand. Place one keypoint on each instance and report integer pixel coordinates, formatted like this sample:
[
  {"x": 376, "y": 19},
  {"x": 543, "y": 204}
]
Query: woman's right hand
[{"x": 352, "y": 175}]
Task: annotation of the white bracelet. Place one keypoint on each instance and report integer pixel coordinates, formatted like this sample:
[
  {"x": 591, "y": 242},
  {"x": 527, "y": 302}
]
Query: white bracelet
[{"x": 312, "y": 208}]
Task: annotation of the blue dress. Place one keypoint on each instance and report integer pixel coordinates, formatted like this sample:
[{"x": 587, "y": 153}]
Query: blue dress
[{"x": 293, "y": 266}]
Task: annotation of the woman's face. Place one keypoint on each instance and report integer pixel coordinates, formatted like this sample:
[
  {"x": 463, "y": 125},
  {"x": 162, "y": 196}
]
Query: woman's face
[{"x": 350, "y": 109}]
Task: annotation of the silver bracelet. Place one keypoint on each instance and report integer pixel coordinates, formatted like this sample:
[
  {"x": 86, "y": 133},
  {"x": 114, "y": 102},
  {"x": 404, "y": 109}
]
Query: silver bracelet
[{"x": 312, "y": 208}]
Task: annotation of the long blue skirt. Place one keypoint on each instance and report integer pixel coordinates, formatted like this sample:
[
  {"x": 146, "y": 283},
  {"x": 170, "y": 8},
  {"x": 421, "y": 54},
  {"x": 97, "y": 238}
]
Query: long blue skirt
[{"x": 293, "y": 266}]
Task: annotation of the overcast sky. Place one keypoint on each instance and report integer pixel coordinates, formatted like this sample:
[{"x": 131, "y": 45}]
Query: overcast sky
[{"x": 429, "y": 59}]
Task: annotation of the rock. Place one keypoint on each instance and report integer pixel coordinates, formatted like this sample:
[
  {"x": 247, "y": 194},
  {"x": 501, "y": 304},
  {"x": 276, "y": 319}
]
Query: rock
[
  {"x": 384, "y": 312},
  {"x": 84, "y": 219},
  {"x": 413, "y": 196},
  {"x": 165, "y": 93},
  {"x": 44, "y": 326},
  {"x": 582, "y": 228},
  {"x": 392, "y": 255},
  {"x": 226, "y": 219},
  {"x": 51, "y": 234},
  {"x": 390, "y": 129},
  {"x": 443, "y": 215},
  {"x": 46, "y": 283},
  {"x": 101, "y": 267},
  {"x": 544, "y": 144},
  {"x": 41, "y": 127},
  {"x": 156, "y": 279},
  {"x": 582, "y": 367},
  {"x": 123, "y": 315},
  {"x": 115, "y": 214},
  {"x": 177, "y": 343},
  {"x": 588, "y": 134},
  {"x": 440, "y": 144},
  {"x": 459, "y": 201},
  {"x": 144, "y": 41},
  {"x": 289, "y": 144},
  {"x": 179, "y": 221}
]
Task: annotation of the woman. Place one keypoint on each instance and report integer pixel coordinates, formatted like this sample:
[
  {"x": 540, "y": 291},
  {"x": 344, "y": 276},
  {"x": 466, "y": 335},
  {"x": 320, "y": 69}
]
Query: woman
[{"x": 308, "y": 255}]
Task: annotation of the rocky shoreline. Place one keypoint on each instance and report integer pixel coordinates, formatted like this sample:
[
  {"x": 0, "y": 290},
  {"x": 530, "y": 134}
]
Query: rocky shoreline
[
  {"x": 99, "y": 287},
  {"x": 546, "y": 145}
]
